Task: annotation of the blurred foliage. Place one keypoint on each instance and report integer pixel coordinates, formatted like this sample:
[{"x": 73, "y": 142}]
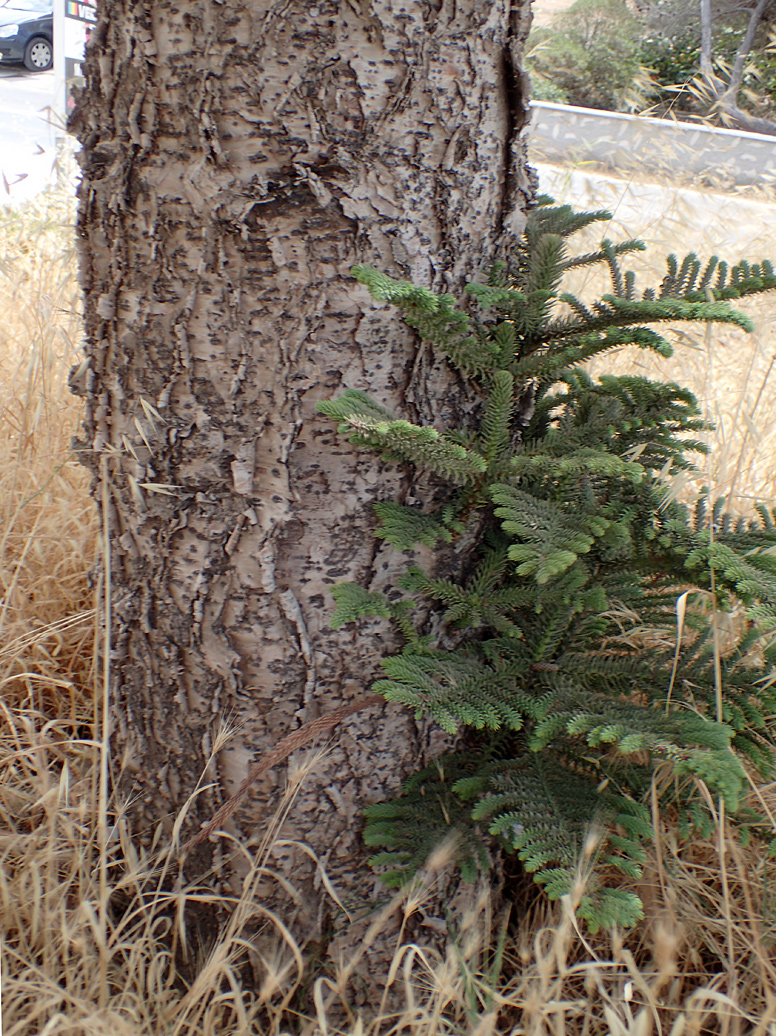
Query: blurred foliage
[
  {"x": 602, "y": 54},
  {"x": 589, "y": 58}
]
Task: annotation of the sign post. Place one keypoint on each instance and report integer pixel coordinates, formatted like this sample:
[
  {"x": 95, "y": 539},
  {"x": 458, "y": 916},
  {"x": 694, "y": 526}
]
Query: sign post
[{"x": 73, "y": 20}]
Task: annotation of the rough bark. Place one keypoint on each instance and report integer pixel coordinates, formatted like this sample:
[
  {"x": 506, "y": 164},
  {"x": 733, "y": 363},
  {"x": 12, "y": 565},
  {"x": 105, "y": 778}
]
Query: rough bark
[{"x": 237, "y": 159}]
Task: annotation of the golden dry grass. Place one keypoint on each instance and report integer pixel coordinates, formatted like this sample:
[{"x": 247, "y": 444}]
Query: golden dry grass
[
  {"x": 47, "y": 530},
  {"x": 97, "y": 938}
]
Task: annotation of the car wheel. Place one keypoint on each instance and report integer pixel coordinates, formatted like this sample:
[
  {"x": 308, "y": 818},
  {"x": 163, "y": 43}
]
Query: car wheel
[{"x": 38, "y": 55}]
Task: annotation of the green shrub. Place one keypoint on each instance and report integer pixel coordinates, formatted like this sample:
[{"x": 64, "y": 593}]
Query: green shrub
[
  {"x": 556, "y": 650},
  {"x": 590, "y": 59},
  {"x": 675, "y": 64}
]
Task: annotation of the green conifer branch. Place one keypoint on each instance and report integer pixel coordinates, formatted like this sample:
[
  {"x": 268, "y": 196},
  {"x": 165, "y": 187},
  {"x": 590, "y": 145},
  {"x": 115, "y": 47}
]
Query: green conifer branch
[{"x": 560, "y": 638}]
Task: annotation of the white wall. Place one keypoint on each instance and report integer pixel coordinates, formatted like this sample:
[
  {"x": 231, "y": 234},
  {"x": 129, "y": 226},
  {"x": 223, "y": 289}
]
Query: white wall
[{"x": 562, "y": 133}]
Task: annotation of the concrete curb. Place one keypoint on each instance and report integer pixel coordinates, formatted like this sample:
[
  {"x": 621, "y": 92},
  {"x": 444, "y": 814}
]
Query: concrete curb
[{"x": 563, "y": 133}]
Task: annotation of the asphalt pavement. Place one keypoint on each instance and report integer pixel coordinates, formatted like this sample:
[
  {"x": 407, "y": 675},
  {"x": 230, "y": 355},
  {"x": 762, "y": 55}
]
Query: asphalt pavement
[{"x": 29, "y": 128}]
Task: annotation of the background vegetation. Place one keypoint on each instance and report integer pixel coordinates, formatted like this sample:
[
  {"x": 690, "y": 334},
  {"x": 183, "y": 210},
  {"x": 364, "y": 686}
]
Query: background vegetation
[{"x": 627, "y": 57}]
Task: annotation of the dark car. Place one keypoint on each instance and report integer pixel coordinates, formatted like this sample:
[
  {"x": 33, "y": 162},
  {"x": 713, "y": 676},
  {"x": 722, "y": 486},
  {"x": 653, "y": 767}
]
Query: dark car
[{"x": 26, "y": 33}]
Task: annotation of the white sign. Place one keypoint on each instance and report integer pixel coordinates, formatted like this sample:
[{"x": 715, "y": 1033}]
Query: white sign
[{"x": 73, "y": 20}]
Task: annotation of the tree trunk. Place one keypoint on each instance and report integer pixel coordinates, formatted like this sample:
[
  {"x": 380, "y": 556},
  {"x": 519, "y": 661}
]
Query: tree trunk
[
  {"x": 706, "y": 67},
  {"x": 736, "y": 74},
  {"x": 237, "y": 159},
  {"x": 723, "y": 96}
]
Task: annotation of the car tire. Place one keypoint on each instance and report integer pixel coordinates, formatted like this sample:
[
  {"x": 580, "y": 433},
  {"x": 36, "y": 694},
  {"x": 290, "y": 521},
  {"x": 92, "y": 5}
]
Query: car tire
[{"x": 38, "y": 54}]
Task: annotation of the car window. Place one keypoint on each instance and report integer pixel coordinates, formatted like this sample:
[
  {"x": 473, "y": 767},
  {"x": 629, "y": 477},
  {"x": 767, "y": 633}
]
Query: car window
[{"x": 33, "y": 6}]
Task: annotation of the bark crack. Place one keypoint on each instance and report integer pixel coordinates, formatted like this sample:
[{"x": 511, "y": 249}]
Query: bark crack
[
  {"x": 293, "y": 612},
  {"x": 513, "y": 100}
]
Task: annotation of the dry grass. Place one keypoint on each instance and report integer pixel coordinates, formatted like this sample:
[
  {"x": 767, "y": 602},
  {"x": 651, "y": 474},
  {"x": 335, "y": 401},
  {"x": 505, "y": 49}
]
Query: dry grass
[
  {"x": 97, "y": 938},
  {"x": 47, "y": 529}
]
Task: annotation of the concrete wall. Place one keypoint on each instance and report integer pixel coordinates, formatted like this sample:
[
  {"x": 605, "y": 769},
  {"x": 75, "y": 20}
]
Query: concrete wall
[{"x": 562, "y": 133}]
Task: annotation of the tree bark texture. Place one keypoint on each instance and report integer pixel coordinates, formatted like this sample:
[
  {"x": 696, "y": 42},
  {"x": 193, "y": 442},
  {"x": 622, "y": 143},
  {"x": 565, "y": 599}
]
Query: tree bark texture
[{"x": 237, "y": 159}]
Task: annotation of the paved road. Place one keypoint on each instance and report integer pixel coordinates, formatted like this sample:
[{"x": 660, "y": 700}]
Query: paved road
[{"x": 28, "y": 132}]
